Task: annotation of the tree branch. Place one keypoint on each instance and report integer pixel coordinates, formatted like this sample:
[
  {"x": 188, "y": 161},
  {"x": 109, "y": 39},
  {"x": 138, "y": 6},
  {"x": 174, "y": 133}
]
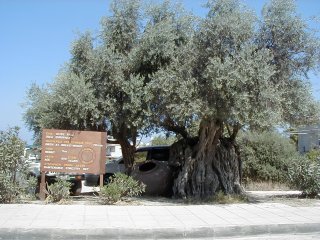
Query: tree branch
[
  {"x": 170, "y": 125},
  {"x": 235, "y": 129}
]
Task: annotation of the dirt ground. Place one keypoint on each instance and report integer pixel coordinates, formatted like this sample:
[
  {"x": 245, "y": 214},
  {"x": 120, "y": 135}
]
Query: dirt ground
[
  {"x": 291, "y": 198},
  {"x": 90, "y": 196}
]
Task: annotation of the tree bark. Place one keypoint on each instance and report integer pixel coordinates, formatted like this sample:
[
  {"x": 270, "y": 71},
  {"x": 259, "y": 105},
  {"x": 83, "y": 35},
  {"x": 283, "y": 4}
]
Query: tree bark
[
  {"x": 210, "y": 166},
  {"x": 127, "y": 153},
  {"x": 127, "y": 149}
]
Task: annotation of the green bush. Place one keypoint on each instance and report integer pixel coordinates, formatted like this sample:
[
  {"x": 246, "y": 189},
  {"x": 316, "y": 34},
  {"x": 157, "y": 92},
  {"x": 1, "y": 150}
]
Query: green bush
[
  {"x": 266, "y": 156},
  {"x": 9, "y": 191},
  {"x": 60, "y": 190},
  {"x": 119, "y": 187},
  {"x": 30, "y": 186},
  {"x": 304, "y": 174},
  {"x": 12, "y": 166},
  {"x": 313, "y": 155}
]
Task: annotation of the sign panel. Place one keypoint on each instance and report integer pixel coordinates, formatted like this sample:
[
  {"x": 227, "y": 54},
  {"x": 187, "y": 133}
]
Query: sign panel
[{"x": 71, "y": 151}]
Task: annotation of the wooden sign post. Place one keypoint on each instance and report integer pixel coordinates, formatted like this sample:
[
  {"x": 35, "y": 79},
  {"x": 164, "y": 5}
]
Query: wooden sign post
[
  {"x": 42, "y": 193},
  {"x": 101, "y": 181}
]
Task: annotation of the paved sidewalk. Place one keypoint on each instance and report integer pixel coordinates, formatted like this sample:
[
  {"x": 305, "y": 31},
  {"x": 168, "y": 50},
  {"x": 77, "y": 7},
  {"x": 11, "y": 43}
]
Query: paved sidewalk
[{"x": 37, "y": 221}]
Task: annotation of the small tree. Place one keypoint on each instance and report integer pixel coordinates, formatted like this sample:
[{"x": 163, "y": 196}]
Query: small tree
[{"x": 12, "y": 165}]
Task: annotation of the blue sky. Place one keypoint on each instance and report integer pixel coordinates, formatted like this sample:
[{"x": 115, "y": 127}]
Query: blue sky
[{"x": 35, "y": 40}]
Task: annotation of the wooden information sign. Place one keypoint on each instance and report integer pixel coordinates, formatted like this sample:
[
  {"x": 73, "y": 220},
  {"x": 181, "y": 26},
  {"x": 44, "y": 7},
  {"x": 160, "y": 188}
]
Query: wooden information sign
[{"x": 71, "y": 151}]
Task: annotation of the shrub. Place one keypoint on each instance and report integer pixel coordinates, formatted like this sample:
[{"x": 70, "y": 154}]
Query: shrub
[
  {"x": 60, "y": 190},
  {"x": 30, "y": 186},
  {"x": 8, "y": 190},
  {"x": 313, "y": 155},
  {"x": 304, "y": 174},
  {"x": 119, "y": 187},
  {"x": 266, "y": 156},
  {"x": 12, "y": 166}
]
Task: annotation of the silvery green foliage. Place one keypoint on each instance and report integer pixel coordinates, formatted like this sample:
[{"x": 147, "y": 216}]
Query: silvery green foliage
[
  {"x": 172, "y": 88},
  {"x": 288, "y": 37},
  {"x": 82, "y": 55},
  {"x": 231, "y": 59},
  {"x": 120, "y": 31},
  {"x": 174, "y": 92},
  {"x": 237, "y": 88},
  {"x": 99, "y": 85},
  {"x": 73, "y": 98},
  {"x": 67, "y": 103},
  {"x": 234, "y": 73},
  {"x": 230, "y": 70},
  {"x": 117, "y": 85},
  {"x": 124, "y": 62},
  {"x": 295, "y": 51},
  {"x": 161, "y": 67},
  {"x": 219, "y": 73}
]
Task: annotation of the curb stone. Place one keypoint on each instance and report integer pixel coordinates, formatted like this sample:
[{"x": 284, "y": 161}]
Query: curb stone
[{"x": 157, "y": 233}]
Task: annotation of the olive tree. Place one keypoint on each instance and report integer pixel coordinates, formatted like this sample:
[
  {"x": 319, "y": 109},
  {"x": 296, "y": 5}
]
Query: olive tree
[
  {"x": 234, "y": 74},
  {"x": 103, "y": 87},
  {"x": 99, "y": 88}
]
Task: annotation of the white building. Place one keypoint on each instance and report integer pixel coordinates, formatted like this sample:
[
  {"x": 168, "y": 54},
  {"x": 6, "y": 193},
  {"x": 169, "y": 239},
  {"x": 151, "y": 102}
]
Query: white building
[
  {"x": 308, "y": 138},
  {"x": 113, "y": 151}
]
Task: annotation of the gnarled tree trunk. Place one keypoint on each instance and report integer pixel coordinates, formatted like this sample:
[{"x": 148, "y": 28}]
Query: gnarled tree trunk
[
  {"x": 127, "y": 153},
  {"x": 209, "y": 166},
  {"x": 127, "y": 149}
]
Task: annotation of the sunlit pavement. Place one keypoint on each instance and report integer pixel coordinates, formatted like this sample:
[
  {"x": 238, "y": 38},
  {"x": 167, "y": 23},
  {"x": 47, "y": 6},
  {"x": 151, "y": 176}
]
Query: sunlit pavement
[
  {"x": 235, "y": 221},
  {"x": 40, "y": 221}
]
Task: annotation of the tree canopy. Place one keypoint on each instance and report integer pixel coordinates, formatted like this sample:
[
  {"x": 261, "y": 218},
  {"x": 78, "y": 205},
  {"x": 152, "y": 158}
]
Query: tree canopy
[
  {"x": 160, "y": 67},
  {"x": 241, "y": 71}
]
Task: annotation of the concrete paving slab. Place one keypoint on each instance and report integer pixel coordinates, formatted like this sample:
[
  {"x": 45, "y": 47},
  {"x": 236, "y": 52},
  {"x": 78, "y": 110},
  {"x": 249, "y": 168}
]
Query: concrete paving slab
[{"x": 37, "y": 221}]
